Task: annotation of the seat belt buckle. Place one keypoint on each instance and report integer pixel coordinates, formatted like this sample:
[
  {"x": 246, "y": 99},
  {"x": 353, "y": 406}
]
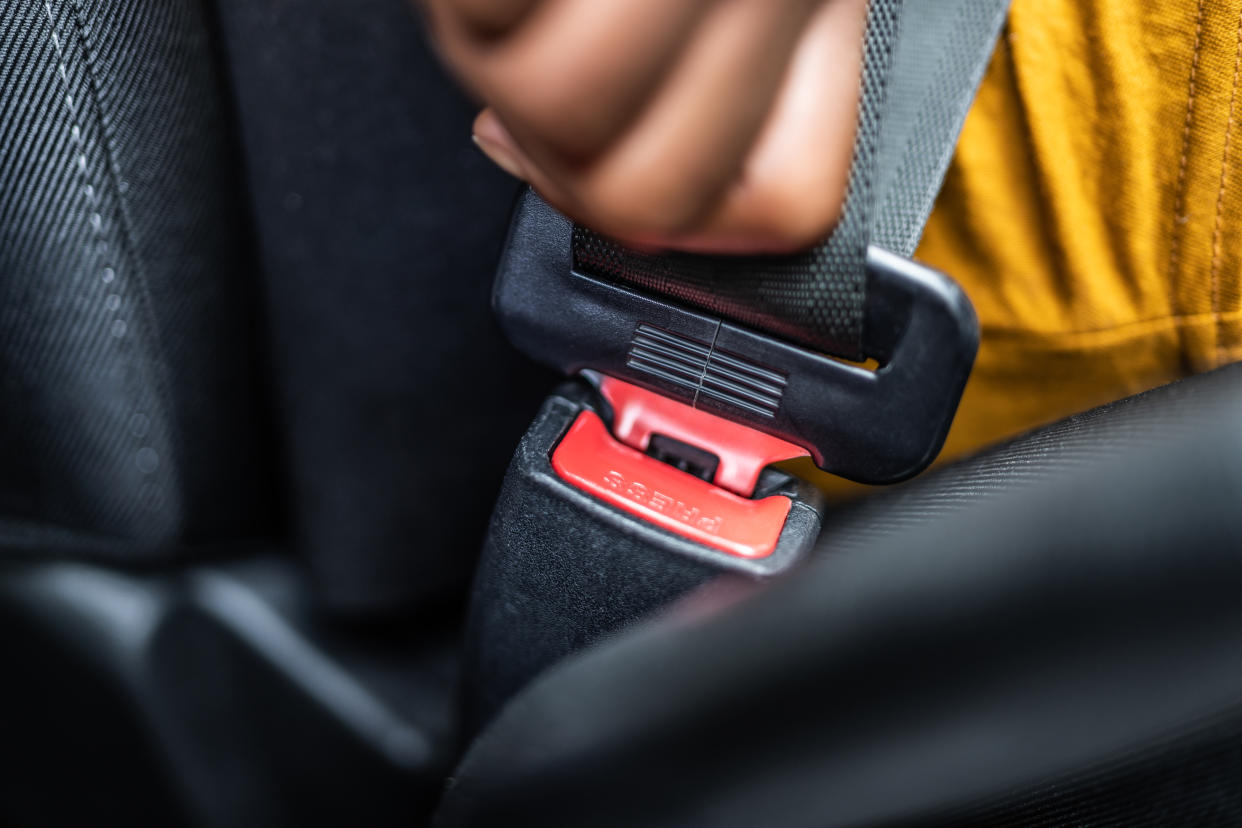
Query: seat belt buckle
[
  {"x": 681, "y": 469},
  {"x": 871, "y": 426},
  {"x": 609, "y": 465},
  {"x": 592, "y": 531},
  {"x": 656, "y": 469}
]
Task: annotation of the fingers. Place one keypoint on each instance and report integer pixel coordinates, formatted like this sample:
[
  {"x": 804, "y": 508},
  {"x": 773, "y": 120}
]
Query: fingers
[
  {"x": 709, "y": 125},
  {"x": 665, "y": 173},
  {"x": 571, "y": 73},
  {"x": 791, "y": 190},
  {"x": 486, "y": 18}
]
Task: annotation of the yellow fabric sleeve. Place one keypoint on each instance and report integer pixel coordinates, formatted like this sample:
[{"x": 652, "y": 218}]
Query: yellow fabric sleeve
[{"x": 1092, "y": 211}]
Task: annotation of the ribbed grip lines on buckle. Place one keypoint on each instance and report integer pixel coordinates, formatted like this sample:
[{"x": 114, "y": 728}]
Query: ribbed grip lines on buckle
[{"x": 698, "y": 366}]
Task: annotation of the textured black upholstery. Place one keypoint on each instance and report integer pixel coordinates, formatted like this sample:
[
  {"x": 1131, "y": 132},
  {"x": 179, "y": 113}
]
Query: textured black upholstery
[
  {"x": 132, "y": 414},
  {"x": 215, "y": 696},
  {"x": 1050, "y": 456},
  {"x": 379, "y": 226},
  {"x": 136, "y": 322},
  {"x": 1036, "y": 635}
]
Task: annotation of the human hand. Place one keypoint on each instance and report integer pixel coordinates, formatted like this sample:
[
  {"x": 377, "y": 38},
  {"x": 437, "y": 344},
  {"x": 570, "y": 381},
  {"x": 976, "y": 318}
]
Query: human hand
[{"x": 706, "y": 125}]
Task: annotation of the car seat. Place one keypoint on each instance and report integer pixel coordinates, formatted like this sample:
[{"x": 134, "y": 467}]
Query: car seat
[{"x": 255, "y": 416}]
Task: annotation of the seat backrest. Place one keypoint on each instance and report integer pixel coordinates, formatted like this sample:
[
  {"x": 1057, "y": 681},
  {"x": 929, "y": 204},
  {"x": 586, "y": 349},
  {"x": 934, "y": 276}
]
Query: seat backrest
[
  {"x": 131, "y": 412},
  {"x": 379, "y": 226}
]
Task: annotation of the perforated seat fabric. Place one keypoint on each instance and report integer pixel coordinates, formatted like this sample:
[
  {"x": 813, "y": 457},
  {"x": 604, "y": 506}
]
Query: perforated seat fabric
[{"x": 1048, "y": 634}]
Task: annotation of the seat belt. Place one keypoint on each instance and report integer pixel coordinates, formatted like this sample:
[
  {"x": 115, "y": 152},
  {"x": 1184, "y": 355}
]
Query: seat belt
[
  {"x": 922, "y": 64},
  {"x": 656, "y": 473},
  {"x": 757, "y": 339}
]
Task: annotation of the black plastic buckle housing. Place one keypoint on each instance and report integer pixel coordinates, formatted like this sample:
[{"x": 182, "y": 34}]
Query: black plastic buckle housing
[
  {"x": 561, "y": 569},
  {"x": 877, "y": 426}
]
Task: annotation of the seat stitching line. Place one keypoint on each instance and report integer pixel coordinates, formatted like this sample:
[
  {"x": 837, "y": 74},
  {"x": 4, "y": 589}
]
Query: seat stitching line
[
  {"x": 75, "y": 131},
  {"x": 1217, "y": 226},
  {"x": 1179, "y": 206}
]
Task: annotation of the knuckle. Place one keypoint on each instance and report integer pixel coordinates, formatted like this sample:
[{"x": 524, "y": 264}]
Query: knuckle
[
  {"x": 646, "y": 202},
  {"x": 799, "y": 210},
  {"x": 489, "y": 18},
  {"x": 549, "y": 102}
]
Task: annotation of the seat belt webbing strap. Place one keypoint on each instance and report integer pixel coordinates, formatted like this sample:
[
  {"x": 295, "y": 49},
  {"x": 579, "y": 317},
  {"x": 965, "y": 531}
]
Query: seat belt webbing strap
[
  {"x": 922, "y": 62},
  {"x": 938, "y": 63}
]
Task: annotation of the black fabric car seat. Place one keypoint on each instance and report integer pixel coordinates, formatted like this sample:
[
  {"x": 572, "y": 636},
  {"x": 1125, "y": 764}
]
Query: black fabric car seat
[
  {"x": 133, "y": 421},
  {"x": 176, "y": 375},
  {"x": 1048, "y": 634},
  {"x": 242, "y": 311}
]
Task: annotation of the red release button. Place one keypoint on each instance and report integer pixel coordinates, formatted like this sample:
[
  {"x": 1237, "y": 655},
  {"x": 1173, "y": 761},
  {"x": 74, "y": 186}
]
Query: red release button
[
  {"x": 590, "y": 458},
  {"x": 743, "y": 451}
]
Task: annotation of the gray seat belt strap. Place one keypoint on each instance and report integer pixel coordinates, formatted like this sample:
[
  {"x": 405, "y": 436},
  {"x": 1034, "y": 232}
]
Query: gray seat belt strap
[
  {"x": 922, "y": 62},
  {"x": 940, "y": 55}
]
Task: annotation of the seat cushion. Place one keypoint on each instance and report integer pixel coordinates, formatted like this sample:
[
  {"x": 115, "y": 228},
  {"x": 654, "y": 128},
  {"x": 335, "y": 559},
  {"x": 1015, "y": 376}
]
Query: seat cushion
[{"x": 1031, "y": 632}]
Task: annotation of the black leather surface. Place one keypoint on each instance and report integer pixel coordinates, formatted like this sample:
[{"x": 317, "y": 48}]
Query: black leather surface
[{"x": 1033, "y": 615}]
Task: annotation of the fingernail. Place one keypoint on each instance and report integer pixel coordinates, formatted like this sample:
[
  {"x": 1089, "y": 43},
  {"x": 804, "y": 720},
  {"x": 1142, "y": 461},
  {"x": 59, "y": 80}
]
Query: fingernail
[{"x": 501, "y": 156}]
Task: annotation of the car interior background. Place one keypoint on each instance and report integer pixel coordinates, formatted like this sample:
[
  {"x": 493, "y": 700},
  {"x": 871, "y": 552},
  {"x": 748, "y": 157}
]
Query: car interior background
[{"x": 255, "y": 414}]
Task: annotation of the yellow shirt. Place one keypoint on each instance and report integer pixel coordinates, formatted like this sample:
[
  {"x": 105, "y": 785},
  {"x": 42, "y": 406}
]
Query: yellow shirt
[{"x": 1093, "y": 212}]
